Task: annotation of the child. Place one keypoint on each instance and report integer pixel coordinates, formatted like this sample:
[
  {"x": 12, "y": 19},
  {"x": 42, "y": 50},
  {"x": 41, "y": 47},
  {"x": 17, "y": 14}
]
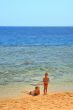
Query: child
[
  {"x": 45, "y": 82},
  {"x": 35, "y": 92}
]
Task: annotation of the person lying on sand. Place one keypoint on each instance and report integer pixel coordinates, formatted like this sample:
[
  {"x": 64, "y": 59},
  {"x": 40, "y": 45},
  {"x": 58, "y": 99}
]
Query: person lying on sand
[
  {"x": 45, "y": 82},
  {"x": 35, "y": 92}
]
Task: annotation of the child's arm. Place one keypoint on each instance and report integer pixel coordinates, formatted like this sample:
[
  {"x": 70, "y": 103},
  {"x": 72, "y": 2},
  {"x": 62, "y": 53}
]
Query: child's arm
[{"x": 40, "y": 83}]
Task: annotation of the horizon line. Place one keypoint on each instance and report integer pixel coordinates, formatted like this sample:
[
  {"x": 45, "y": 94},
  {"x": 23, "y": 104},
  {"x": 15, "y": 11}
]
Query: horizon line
[{"x": 36, "y": 26}]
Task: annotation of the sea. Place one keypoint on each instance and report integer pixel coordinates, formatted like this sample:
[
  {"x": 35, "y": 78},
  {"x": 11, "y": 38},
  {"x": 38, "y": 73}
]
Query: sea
[{"x": 26, "y": 53}]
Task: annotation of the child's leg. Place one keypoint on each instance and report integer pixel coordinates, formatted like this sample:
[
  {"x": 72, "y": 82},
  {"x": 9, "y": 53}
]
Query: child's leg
[
  {"x": 46, "y": 87},
  {"x": 44, "y": 90}
]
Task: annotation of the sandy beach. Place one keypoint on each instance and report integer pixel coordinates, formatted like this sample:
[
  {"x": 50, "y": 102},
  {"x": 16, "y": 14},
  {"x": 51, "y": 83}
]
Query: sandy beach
[{"x": 51, "y": 101}]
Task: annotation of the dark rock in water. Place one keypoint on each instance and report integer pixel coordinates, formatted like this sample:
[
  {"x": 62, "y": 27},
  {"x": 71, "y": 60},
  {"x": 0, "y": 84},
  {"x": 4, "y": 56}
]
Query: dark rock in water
[
  {"x": 27, "y": 63},
  {"x": 23, "y": 63}
]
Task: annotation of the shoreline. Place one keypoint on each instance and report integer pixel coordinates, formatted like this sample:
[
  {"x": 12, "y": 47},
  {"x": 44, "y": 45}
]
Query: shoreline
[
  {"x": 16, "y": 89},
  {"x": 51, "y": 101}
]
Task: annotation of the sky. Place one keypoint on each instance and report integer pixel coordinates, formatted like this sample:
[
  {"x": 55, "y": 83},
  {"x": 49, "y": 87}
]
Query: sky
[{"x": 36, "y": 12}]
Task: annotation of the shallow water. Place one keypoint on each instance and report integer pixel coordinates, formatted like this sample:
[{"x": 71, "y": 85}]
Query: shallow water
[{"x": 28, "y": 64}]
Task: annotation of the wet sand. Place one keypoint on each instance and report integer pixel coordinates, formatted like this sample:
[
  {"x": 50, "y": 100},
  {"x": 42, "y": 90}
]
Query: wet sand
[{"x": 51, "y": 101}]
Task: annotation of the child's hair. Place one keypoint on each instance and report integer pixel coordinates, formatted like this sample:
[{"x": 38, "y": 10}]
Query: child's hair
[
  {"x": 36, "y": 87},
  {"x": 46, "y": 74}
]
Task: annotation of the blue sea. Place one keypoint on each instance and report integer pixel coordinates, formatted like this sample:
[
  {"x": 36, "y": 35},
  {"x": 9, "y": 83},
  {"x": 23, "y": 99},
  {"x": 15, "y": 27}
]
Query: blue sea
[{"x": 26, "y": 53}]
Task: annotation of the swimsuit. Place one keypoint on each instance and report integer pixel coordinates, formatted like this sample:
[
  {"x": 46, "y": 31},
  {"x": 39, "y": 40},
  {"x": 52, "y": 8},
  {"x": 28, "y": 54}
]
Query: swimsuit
[{"x": 46, "y": 82}]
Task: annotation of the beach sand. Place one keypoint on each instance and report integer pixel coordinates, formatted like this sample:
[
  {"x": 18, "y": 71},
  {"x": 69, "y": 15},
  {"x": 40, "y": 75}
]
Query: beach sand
[{"x": 51, "y": 101}]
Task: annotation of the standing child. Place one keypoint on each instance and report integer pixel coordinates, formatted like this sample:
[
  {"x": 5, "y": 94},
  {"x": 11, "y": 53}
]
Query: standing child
[{"x": 45, "y": 82}]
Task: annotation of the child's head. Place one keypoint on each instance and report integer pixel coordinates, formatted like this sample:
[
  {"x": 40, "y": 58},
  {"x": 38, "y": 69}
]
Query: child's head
[
  {"x": 36, "y": 87},
  {"x": 46, "y": 74}
]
